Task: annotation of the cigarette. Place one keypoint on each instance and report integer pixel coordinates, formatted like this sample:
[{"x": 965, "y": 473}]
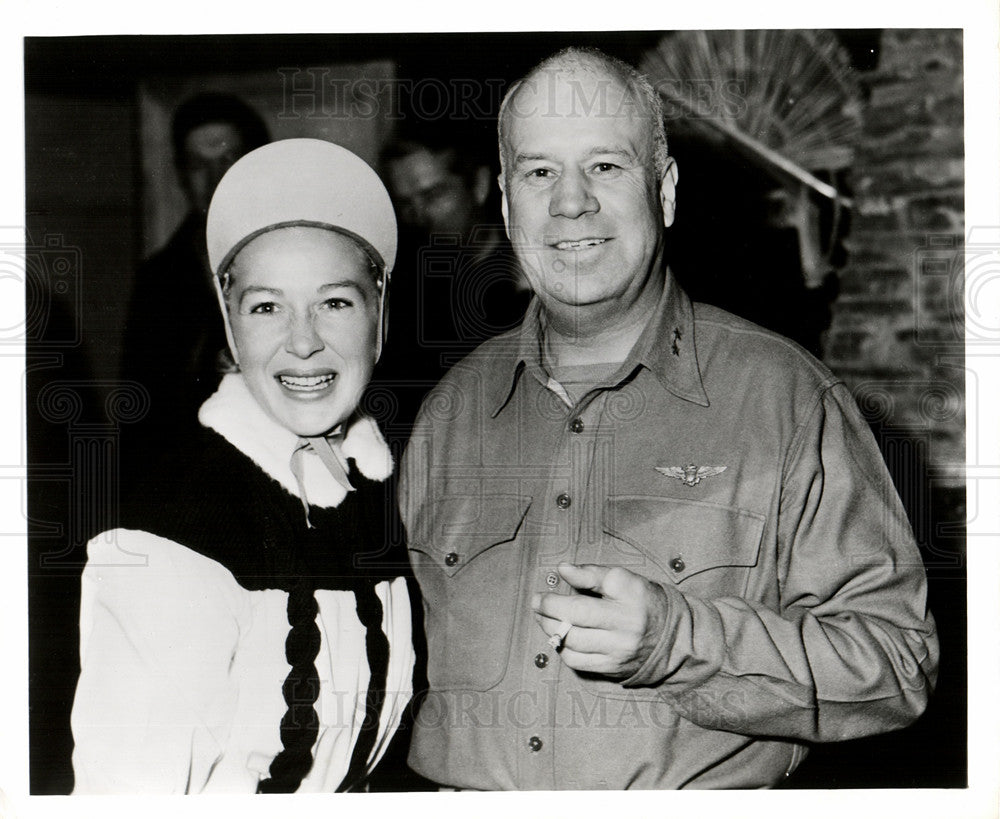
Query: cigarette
[{"x": 556, "y": 640}]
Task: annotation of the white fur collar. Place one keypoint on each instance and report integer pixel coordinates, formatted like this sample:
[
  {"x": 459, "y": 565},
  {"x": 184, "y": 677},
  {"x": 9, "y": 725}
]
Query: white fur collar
[{"x": 235, "y": 414}]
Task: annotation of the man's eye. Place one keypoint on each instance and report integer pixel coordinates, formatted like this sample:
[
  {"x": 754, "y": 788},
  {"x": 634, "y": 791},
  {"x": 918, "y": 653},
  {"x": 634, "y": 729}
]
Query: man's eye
[
  {"x": 606, "y": 167},
  {"x": 264, "y": 308},
  {"x": 539, "y": 173}
]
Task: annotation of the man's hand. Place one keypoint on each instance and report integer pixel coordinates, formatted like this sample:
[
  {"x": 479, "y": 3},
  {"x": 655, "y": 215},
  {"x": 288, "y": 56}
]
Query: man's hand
[{"x": 613, "y": 634}]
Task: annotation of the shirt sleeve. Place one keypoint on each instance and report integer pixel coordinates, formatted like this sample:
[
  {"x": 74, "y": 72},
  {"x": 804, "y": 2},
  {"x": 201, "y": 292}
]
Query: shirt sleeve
[
  {"x": 158, "y": 628},
  {"x": 852, "y": 649}
]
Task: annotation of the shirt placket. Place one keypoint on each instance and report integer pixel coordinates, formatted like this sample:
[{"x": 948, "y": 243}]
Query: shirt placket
[{"x": 564, "y": 516}]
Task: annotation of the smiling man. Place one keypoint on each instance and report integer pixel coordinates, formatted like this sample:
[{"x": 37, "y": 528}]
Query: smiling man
[{"x": 657, "y": 544}]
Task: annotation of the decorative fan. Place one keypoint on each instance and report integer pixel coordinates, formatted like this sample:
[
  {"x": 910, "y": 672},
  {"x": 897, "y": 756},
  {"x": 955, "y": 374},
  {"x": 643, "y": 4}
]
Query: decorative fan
[
  {"x": 788, "y": 97},
  {"x": 787, "y": 100}
]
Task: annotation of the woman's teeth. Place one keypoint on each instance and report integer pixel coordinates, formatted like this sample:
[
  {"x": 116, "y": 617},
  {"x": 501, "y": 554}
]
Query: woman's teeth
[{"x": 306, "y": 383}]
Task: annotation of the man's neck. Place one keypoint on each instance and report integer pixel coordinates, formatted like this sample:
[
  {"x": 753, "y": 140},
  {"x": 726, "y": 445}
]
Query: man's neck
[{"x": 595, "y": 334}]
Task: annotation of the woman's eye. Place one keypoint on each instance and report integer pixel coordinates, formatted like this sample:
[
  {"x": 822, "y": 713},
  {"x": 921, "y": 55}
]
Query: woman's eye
[
  {"x": 337, "y": 303},
  {"x": 264, "y": 308}
]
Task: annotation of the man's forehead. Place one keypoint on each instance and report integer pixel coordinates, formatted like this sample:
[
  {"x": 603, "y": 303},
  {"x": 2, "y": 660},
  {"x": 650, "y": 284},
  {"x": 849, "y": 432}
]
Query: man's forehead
[
  {"x": 418, "y": 168},
  {"x": 561, "y": 91},
  {"x": 213, "y": 139},
  {"x": 585, "y": 115}
]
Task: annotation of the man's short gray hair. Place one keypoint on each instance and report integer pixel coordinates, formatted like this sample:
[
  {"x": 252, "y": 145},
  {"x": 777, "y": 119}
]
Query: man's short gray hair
[{"x": 593, "y": 60}]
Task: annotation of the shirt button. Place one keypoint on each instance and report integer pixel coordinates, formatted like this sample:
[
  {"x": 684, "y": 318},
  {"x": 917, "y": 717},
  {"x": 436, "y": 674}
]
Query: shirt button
[
  {"x": 677, "y": 564},
  {"x": 563, "y": 501},
  {"x": 551, "y": 580},
  {"x": 576, "y": 426},
  {"x": 541, "y": 660},
  {"x": 450, "y": 559},
  {"x": 535, "y": 743}
]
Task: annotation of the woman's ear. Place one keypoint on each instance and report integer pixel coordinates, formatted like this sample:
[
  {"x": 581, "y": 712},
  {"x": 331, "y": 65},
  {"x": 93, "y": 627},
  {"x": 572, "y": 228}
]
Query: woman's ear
[
  {"x": 383, "y": 317},
  {"x": 220, "y": 293}
]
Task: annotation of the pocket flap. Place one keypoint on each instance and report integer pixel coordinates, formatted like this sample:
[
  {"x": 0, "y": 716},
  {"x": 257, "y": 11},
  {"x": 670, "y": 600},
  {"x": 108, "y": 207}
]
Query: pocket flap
[
  {"x": 685, "y": 537},
  {"x": 463, "y": 527}
]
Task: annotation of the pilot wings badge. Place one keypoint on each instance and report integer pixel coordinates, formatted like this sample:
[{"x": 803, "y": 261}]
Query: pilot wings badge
[{"x": 689, "y": 475}]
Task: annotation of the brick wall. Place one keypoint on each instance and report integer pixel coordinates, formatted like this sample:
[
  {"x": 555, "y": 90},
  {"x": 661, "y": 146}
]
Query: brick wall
[
  {"x": 897, "y": 340},
  {"x": 897, "y": 330}
]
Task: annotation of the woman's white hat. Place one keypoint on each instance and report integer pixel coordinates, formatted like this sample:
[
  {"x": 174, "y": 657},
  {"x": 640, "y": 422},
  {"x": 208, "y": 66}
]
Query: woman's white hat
[
  {"x": 300, "y": 182},
  {"x": 307, "y": 182}
]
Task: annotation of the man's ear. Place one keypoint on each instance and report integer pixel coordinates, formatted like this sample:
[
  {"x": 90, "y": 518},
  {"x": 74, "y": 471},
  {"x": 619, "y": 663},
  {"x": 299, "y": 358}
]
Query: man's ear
[
  {"x": 503, "y": 203},
  {"x": 481, "y": 185},
  {"x": 668, "y": 192}
]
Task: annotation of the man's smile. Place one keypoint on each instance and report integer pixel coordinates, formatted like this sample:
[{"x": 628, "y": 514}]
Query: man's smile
[{"x": 579, "y": 244}]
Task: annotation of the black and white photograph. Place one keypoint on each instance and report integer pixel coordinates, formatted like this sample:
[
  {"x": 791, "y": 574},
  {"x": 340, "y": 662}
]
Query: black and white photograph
[{"x": 633, "y": 432}]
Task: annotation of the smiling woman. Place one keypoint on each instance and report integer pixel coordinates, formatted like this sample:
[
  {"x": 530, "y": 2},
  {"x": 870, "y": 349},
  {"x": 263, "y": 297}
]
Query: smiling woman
[
  {"x": 303, "y": 305},
  {"x": 264, "y": 645}
]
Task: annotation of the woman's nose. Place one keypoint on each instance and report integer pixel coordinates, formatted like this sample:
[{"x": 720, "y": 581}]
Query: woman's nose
[{"x": 303, "y": 340}]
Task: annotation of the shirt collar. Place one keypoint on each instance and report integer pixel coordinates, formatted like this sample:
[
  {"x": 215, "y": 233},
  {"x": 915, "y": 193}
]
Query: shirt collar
[
  {"x": 516, "y": 357},
  {"x": 666, "y": 348}
]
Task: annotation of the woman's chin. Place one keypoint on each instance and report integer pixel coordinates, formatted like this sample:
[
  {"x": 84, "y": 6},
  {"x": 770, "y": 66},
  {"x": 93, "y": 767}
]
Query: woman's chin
[
  {"x": 318, "y": 429},
  {"x": 311, "y": 422}
]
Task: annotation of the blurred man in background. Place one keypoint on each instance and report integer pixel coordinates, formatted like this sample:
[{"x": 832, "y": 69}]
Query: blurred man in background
[
  {"x": 457, "y": 283},
  {"x": 173, "y": 295}
]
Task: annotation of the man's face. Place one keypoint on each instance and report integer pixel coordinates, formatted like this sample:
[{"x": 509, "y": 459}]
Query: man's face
[
  {"x": 583, "y": 208},
  {"x": 209, "y": 151},
  {"x": 431, "y": 197}
]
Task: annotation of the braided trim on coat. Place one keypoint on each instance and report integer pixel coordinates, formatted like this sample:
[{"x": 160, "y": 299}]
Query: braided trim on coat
[
  {"x": 369, "y": 609},
  {"x": 300, "y": 724}
]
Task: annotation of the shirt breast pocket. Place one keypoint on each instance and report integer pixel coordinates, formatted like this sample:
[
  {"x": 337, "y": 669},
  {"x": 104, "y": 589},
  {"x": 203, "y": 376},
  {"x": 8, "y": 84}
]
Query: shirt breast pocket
[
  {"x": 468, "y": 564},
  {"x": 705, "y": 549}
]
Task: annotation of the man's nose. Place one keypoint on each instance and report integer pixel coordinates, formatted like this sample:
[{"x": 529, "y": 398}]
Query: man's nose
[
  {"x": 573, "y": 196},
  {"x": 303, "y": 340}
]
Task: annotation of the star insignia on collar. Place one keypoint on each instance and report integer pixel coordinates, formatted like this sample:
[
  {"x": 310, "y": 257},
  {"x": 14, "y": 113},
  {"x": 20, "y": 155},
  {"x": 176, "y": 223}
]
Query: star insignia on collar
[
  {"x": 689, "y": 475},
  {"x": 675, "y": 349}
]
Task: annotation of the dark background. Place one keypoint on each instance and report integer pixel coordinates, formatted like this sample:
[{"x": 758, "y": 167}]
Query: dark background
[{"x": 85, "y": 226}]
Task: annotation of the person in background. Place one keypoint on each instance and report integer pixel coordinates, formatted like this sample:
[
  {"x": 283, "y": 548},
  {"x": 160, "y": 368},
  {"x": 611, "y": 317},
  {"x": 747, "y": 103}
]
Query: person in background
[
  {"x": 657, "y": 544},
  {"x": 247, "y": 628},
  {"x": 458, "y": 283},
  {"x": 173, "y": 295}
]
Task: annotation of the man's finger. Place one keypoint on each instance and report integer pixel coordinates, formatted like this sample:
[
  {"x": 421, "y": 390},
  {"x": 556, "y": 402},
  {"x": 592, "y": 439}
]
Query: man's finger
[
  {"x": 585, "y": 577},
  {"x": 591, "y": 612},
  {"x": 611, "y": 582},
  {"x": 581, "y": 639},
  {"x": 549, "y": 625},
  {"x": 589, "y": 663}
]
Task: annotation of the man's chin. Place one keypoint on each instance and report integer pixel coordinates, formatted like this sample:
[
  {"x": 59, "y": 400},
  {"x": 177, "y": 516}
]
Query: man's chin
[{"x": 579, "y": 295}]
